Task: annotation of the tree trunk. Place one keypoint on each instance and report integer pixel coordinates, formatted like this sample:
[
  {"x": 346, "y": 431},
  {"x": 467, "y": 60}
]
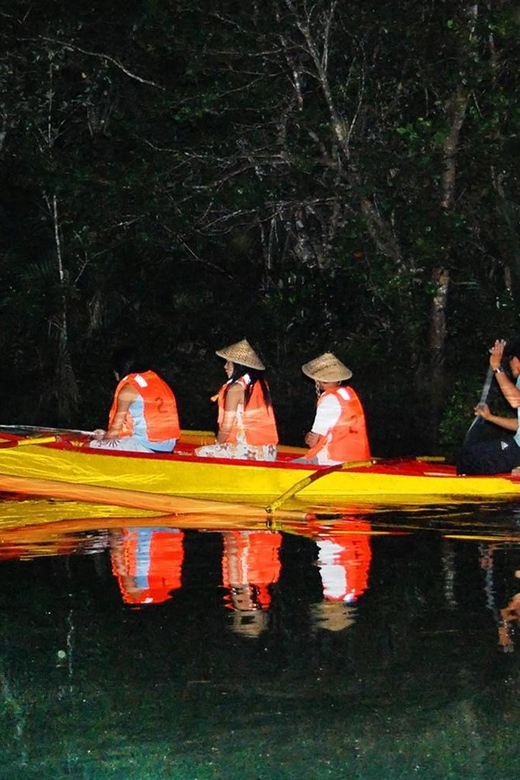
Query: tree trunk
[
  {"x": 456, "y": 113},
  {"x": 66, "y": 391}
]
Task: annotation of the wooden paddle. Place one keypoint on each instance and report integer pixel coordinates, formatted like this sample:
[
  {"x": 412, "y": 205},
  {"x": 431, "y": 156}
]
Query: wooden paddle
[
  {"x": 353, "y": 464},
  {"x": 187, "y": 436},
  {"x": 34, "y": 440},
  {"x": 60, "y": 435},
  {"x": 473, "y": 428},
  {"x": 302, "y": 483},
  {"x": 36, "y": 429}
]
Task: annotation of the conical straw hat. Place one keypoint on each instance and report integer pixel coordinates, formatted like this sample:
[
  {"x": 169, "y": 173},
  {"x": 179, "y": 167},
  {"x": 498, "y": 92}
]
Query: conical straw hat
[
  {"x": 326, "y": 368},
  {"x": 250, "y": 623},
  {"x": 333, "y": 615},
  {"x": 243, "y": 353}
]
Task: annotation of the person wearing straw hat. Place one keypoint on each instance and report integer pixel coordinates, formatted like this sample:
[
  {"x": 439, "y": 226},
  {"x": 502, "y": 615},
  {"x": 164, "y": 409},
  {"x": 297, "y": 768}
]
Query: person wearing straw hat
[
  {"x": 246, "y": 422},
  {"x": 338, "y": 434}
]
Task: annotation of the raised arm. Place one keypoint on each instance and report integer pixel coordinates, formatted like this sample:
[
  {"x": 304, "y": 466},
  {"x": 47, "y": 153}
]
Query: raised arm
[{"x": 508, "y": 388}]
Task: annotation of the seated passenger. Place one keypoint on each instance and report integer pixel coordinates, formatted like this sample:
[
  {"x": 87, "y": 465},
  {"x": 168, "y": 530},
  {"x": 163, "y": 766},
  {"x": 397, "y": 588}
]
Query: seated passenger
[
  {"x": 503, "y": 454},
  {"x": 246, "y": 422},
  {"x": 338, "y": 433},
  {"x": 143, "y": 417}
]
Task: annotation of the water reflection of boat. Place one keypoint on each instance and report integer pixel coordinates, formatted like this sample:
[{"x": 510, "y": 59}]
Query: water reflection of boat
[
  {"x": 65, "y": 469},
  {"x": 34, "y": 527},
  {"x": 147, "y": 555}
]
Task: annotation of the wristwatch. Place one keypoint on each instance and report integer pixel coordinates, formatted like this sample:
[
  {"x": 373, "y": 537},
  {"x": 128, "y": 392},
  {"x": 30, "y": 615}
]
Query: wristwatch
[{"x": 498, "y": 370}]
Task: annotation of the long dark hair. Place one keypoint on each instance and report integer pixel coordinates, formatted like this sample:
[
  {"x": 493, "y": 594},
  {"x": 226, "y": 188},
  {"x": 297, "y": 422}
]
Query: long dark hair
[
  {"x": 126, "y": 360},
  {"x": 255, "y": 376}
]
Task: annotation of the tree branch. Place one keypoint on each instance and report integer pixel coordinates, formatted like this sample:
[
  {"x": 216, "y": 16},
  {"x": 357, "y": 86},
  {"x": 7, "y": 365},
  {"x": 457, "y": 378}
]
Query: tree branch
[{"x": 99, "y": 55}]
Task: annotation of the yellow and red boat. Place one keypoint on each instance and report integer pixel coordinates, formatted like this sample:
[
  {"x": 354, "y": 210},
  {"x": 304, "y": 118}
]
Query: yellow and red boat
[{"x": 74, "y": 470}]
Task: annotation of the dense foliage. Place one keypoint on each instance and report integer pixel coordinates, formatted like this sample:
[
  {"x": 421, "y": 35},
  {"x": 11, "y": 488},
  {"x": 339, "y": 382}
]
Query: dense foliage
[{"x": 313, "y": 176}]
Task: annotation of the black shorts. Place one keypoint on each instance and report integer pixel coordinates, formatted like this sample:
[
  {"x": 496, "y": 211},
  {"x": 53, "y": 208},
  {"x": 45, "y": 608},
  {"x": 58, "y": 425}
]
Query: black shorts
[{"x": 491, "y": 457}]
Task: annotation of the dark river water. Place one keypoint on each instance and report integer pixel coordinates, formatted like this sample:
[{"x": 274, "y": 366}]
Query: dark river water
[{"x": 371, "y": 645}]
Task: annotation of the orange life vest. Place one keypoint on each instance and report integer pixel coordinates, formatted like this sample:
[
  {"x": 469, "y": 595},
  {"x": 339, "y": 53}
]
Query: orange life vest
[
  {"x": 161, "y": 421},
  {"x": 252, "y": 558},
  {"x": 257, "y": 418},
  {"x": 344, "y": 564},
  {"x": 347, "y": 440},
  {"x": 150, "y": 566}
]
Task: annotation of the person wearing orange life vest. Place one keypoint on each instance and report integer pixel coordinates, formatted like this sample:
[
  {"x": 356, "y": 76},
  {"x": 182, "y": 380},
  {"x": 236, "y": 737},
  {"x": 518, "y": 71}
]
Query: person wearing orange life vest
[
  {"x": 338, "y": 434},
  {"x": 246, "y": 422},
  {"x": 147, "y": 563},
  {"x": 344, "y": 557},
  {"x": 143, "y": 416},
  {"x": 344, "y": 561},
  {"x": 251, "y": 566}
]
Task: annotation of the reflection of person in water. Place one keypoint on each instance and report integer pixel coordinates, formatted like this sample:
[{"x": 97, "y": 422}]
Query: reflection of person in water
[
  {"x": 344, "y": 561},
  {"x": 147, "y": 563},
  {"x": 250, "y": 566},
  {"x": 509, "y": 617}
]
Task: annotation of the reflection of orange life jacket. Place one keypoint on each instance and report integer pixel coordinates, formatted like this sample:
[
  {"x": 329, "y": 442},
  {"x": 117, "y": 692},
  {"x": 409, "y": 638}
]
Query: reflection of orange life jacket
[
  {"x": 257, "y": 417},
  {"x": 347, "y": 440},
  {"x": 344, "y": 563},
  {"x": 160, "y": 408},
  {"x": 151, "y": 564},
  {"x": 252, "y": 558}
]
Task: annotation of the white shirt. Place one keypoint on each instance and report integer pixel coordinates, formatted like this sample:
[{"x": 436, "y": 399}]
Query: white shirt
[{"x": 327, "y": 416}]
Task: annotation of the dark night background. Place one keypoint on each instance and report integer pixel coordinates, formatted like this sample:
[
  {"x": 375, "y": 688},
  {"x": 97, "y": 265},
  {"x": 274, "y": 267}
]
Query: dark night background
[{"x": 338, "y": 176}]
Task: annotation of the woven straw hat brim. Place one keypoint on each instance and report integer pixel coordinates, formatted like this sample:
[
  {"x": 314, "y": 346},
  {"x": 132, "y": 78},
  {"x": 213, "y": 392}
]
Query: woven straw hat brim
[
  {"x": 243, "y": 353},
  {"x": 326, "y": 368},
  {"x": 333, "y": 615}
]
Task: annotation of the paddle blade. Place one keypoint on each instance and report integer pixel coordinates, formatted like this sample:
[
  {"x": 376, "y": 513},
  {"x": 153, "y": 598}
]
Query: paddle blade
[{"x": 480, "y": 430}]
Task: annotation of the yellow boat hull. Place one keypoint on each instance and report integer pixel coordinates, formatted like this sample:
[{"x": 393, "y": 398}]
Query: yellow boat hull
[{"x": 398, "y": 482}]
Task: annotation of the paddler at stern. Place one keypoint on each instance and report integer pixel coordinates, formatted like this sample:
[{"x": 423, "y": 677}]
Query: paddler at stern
[{"x": 501, "y": 455}]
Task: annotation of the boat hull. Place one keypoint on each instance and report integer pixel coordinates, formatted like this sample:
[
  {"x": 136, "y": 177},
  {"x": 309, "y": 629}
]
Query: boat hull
[{"x": 398, "y": 481}]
